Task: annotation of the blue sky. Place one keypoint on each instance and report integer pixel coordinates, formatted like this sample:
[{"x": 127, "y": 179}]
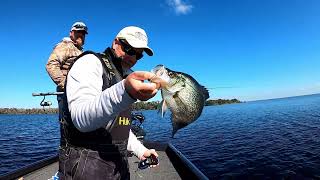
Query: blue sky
[{"x": 244, "y": 49}]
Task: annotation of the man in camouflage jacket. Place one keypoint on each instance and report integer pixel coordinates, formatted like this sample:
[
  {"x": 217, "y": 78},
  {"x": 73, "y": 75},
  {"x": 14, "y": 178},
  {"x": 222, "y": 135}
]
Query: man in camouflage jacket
[{"x": 64, "y": 53}]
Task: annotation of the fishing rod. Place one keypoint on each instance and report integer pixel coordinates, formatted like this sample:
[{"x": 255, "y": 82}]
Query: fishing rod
[
  {"x": 44, "y": 103},
  {"x": 222, "y": 87},
  {"x": 47, "y": 93}
]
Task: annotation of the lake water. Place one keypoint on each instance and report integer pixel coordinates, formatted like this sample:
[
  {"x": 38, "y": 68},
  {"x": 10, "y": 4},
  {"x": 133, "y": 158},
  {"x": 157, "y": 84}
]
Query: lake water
[{"x": 270, "y": 139}]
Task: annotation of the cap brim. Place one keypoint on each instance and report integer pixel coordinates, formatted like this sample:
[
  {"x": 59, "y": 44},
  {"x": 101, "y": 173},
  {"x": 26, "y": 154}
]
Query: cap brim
[
  {"x": 75, "y": 29},
  {"x": 82, "y": 30},
  {"x": 149, "y": 51}
]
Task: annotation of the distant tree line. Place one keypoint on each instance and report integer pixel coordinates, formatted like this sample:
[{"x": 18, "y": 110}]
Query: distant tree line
[
  {"x": 136, "y": 106},
  {"x": 28, "y": 111},
  {"x": 146, "y": 105},
  {"x": 221, "y": 101}
]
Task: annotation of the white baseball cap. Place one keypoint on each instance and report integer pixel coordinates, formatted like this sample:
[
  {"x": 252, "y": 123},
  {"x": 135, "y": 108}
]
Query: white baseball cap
[
  {"x": 79, "y": 26},
  {"x": 136, "y": 37}
]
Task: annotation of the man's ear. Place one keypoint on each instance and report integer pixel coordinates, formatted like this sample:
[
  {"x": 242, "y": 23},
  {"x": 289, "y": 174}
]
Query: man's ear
[{"x": 115, "y": 42}]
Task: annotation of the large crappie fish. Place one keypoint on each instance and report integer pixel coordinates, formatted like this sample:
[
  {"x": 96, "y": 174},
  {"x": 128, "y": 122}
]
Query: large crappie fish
[{"x": 182, "y": 94}]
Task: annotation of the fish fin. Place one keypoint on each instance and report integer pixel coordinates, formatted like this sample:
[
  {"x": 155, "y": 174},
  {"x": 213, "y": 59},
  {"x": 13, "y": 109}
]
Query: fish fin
[
  {"x": 205, "y": 92},
  {"x": 163, "y": 108}
]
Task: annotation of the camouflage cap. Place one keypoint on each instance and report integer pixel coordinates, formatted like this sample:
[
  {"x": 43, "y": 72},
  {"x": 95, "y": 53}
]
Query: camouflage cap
[{"x": 79, "y": 26}]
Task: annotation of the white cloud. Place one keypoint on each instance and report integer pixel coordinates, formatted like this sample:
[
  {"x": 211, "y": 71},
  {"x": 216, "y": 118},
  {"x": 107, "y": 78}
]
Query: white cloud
[{"x": 179, "y": 6}]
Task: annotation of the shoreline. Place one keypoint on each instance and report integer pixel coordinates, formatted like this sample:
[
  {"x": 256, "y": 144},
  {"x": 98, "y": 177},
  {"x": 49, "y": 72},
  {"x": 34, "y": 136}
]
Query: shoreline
[{"x": 136, "y": 106}]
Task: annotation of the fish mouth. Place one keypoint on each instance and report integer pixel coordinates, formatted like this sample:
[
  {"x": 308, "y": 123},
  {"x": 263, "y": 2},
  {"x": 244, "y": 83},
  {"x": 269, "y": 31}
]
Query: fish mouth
[
  {"x": 161, "y": 75},
  {"x": 159, "y": 70}
]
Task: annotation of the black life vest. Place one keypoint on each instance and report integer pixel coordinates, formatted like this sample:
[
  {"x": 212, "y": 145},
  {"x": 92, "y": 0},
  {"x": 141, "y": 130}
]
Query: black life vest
[{"x": 114, "y": 136}]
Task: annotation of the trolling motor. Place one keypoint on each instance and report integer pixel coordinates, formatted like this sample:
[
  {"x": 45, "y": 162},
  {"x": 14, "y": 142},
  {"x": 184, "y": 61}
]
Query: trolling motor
[
  {"x": 137, "y": 129},
  {"x": 44, "y": 103}
]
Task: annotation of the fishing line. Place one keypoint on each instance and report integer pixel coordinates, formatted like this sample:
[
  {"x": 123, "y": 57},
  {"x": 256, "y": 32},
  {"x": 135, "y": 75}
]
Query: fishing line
[{"x": 226, "y": 87}]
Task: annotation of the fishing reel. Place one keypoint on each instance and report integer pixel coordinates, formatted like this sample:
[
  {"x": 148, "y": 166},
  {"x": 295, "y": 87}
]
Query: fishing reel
[
  {"x": 45, "y": 103},
  {"x": 151, "y": 160}
]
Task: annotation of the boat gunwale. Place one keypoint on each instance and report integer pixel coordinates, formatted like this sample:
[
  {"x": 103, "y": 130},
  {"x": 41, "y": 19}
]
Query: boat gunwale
[{"x": 30, "y": 168}]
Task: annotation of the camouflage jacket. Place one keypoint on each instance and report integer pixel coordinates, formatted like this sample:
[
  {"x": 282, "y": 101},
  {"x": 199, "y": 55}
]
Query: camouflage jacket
[{"x": 61, "y": 60}]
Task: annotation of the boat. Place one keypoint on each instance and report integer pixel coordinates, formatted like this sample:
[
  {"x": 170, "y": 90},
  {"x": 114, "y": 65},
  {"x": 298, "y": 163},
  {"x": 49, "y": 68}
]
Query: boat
[{"x": 173, "y": 165}]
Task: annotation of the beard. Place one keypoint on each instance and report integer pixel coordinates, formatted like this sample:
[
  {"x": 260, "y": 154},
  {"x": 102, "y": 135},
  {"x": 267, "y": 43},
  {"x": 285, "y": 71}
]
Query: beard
[
  {"x": 127, "y": 63},
  {"x": 79, "y": 41}
]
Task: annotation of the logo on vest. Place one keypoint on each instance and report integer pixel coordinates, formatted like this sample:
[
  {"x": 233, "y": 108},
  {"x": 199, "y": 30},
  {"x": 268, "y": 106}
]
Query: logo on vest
[{"x": 124, "y": 121}]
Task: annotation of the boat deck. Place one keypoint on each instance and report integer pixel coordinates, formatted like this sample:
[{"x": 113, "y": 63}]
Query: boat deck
[
  {"x": 44, "y": 173},
  {"x": 164, "y": 169},
  {"x": 173, "y": 165}
]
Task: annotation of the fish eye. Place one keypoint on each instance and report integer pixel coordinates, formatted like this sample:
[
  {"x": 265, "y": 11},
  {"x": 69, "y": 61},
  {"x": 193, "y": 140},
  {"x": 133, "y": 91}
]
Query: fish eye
[{"x": 170, "y": 74}]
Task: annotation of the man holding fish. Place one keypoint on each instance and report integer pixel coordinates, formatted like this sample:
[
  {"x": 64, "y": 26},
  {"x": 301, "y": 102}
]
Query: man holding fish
[
  {"x": 100, "y": 88},
  {"x": 95, "y": 124}
]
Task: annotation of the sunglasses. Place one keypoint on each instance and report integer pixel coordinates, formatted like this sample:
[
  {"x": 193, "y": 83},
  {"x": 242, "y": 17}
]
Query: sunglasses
[{"x": 130, "y": 50}]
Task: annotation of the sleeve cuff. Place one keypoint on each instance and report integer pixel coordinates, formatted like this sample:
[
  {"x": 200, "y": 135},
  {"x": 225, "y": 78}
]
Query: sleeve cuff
[{"x": 135, "y": 145}]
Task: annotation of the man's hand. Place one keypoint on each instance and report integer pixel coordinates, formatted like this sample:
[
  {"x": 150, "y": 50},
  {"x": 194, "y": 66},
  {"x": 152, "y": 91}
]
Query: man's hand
[
  {"x": 61, "y": 86},
  {"x": 137, "y": 88},
  {"x": 148, "y": 153}
]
